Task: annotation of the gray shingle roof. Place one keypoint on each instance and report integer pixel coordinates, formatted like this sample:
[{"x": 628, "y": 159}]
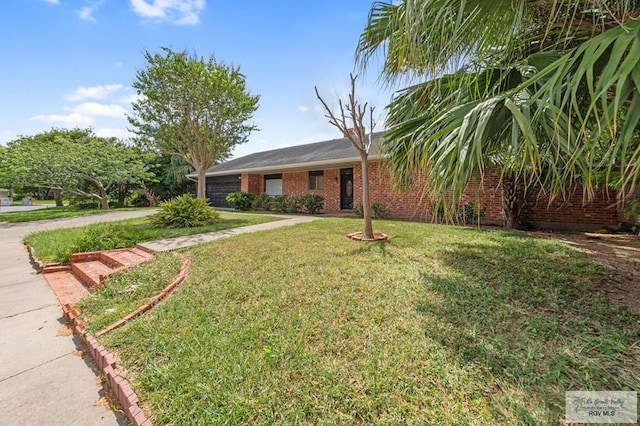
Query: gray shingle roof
[{"x": 314, "y": 155}]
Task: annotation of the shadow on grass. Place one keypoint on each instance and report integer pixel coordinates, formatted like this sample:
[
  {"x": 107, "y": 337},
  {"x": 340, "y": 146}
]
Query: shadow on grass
[{"x": 528, "y": 315}]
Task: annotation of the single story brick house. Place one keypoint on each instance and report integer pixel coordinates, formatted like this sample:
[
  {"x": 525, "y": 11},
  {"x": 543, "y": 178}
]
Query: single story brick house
[{"x": 332, "y": 169}]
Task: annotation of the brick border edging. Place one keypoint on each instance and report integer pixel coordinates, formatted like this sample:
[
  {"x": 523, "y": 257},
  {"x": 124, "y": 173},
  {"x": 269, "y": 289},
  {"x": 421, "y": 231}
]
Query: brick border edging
[
  {"x": 166, "y": 292},
  {"x": 106, "y": 363}
]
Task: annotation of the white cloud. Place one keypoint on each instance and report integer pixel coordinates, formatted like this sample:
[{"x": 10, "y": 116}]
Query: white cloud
[
  {"x": 72, "y": 119},
  {"x": 51, "y": 1},
  {"x": 86, "y": 13},
  {"x": 97, "y": 109},
  {"x": 113, "y": 132},
  {"x": 303, "y": 108},
  {"x": 181, "y": 12},
  {"x": 93, "y": 92},
  {"x": 130, "y": 98}
]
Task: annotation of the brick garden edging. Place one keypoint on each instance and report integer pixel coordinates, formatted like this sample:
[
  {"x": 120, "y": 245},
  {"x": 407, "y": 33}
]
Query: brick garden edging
[
  {"x": 152, "y": 302},
  {"x": 105, "y": 361}
]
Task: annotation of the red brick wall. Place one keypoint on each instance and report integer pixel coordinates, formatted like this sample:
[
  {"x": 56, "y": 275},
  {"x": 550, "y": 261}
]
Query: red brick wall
[
  {"x": 412, "y": 203},
  {"x": 602, "y": 211},
  {"x": 252, "y": 183}
]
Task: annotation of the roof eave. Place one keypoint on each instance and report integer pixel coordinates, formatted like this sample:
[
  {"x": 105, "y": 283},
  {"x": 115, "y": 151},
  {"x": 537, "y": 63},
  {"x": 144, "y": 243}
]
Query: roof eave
[{"x": 310, "y": 165}]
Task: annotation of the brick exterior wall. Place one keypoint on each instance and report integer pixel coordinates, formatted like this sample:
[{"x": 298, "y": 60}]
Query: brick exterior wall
[
  {"x": 413, "y": 204},
  {"x": 572, "y": 212},
  {"x": 252, "y": 183}
]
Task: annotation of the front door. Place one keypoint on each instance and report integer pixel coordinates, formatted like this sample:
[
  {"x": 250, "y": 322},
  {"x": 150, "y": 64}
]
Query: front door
[{"x": 346, "y": 189}]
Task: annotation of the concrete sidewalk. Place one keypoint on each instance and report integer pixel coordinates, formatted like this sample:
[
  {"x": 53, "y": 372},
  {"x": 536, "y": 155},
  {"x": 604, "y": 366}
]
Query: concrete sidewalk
[
  {"x": 44, "y": 380},
  {"x": 191, "y": 240},
  {"x": 43, "y": 377}
]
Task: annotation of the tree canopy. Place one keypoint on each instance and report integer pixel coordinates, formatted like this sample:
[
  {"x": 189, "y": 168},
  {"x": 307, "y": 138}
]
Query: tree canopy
[
  {"x": 193, "y": 107},
  {"x": 548, "y": 91},
  {"x": 75, "y": 161}
]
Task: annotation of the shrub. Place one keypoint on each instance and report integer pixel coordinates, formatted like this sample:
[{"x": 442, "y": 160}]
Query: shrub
[
  {"x": 262, "y": 202},
  {"x": 313, "y": 203},
  {"x": 380, "y": 211},
  {"x": 466, "y": 214},
  {"x": 240, "y": 200},
  {"x": 184, "y": 212},
  {"x": 103, "y": 237},
  {"x": 287, "y": 204},
  {"x": 357, "y": 210}
]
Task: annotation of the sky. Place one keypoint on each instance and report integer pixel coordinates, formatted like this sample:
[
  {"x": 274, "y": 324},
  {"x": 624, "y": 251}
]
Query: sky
[{"x": 72, "y": 63}]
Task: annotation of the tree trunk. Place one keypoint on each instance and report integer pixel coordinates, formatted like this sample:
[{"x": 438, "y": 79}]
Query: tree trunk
[
  {"x": 104, "y": 199},
  {"x": 57, "y": 197},
  {"x": 122, "y": 194},
  {"x": 512, "y": 202},
  {"x": 202, "y": 182},
  {"x": 366, "y": 205},
  {"x": 149, "y": 195}
]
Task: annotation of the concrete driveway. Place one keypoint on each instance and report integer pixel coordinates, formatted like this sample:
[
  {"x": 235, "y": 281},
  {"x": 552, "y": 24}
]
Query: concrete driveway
[{"x": 44, "y": 378}]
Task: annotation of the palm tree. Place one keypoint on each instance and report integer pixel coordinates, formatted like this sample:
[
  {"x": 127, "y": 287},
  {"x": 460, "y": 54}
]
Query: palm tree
[{"x": 545, "y": 90}]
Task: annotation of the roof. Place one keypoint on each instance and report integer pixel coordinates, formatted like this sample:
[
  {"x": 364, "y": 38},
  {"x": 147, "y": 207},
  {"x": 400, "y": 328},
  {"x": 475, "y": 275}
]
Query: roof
[{"x": 335, "y": 152}]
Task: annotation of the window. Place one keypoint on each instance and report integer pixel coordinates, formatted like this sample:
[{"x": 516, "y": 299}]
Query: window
[
  {"x": 273, "y": 184},
  {"x": 316, "y": 179}
]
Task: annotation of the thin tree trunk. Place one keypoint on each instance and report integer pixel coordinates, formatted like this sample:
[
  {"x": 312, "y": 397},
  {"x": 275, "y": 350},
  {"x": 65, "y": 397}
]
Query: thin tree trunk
[
  {"x": 122, "y": 194},
  {"x": 57, "y": 197},
  {"x": 104, "y": 199},
  {"x": 512, "y": 202},
  {"x": 202, "y": 182},
  {"x": 366, "y": 206}
]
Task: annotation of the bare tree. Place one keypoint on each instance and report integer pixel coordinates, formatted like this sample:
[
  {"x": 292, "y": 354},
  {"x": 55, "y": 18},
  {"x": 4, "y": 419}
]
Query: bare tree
[{"x": 350, "y": 121}]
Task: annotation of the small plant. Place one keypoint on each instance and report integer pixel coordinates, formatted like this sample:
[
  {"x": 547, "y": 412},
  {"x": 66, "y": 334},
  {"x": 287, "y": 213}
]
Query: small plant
[
  {"x": 380, "y": 211},
  {"x": 287, "y": 204},
  {"x": 357, "y": 210},
  {"x": 262, "y": 202},
  {"x": 241, "y": 200},
  {"x": 184, "y": 212},
  {"x": 313, "y": 203},
  {"x": 102, "y": 237},
  {"x": 466, "y": 214}
]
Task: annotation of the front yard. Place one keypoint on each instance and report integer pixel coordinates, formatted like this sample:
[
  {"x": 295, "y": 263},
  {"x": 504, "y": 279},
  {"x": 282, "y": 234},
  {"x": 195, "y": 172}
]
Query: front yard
[{"x": 439, "y": 325}]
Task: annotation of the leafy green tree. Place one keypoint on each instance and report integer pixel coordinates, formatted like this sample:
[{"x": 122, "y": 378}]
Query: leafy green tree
[
  {"x": 192, "y": 107},
  {"x": 547, "y": 91},
  {"x": 75, "y": 161},
  {"x": 170, "y": 181}
]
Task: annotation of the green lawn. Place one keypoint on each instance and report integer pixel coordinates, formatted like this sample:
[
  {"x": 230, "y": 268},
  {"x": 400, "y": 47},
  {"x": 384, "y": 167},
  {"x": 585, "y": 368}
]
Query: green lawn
[
  {"x": 58, "y": 245},
  {"x": 54, "y": 213},
  {"x": 439, "y": 325}
]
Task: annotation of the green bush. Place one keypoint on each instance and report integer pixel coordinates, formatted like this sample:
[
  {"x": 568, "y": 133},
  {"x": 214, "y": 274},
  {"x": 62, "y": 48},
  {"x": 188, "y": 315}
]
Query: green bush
[
  {"x": 313, "y": 203},
  {"x": 380, "y": 211},
  {"x": 241, "y": 200},
  {"x": 184, "y": 212},
  {"x": 357, "y": 210},
  {"x": 103, "y": 237},
  {"x": 262, "y": 202},
  {"x": 287, "y": 204}
]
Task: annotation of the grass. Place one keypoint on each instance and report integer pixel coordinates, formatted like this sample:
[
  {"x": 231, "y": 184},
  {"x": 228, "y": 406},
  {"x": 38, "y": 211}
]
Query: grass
[
  {"x": 54, "y": 213},
  {"x": 439, "y": 325},
  {"x": 58, "y": 245},
  {"x": 130, "y": 289}
]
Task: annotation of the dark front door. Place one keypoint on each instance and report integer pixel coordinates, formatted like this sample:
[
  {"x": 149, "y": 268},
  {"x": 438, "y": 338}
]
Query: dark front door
[{"x": 346, "y": 189}]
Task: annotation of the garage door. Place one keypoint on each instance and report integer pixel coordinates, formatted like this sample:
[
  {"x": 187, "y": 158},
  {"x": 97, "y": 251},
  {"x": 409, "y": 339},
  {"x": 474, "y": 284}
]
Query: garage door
[{"x": 219, "y": 186}]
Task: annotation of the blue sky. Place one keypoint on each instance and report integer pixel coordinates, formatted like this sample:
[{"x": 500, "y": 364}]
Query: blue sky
[{"x": 70, "y": 63}]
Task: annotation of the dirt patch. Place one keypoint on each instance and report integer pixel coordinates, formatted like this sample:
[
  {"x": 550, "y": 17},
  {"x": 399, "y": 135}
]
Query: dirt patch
[{"x": 619, "y": 254}]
